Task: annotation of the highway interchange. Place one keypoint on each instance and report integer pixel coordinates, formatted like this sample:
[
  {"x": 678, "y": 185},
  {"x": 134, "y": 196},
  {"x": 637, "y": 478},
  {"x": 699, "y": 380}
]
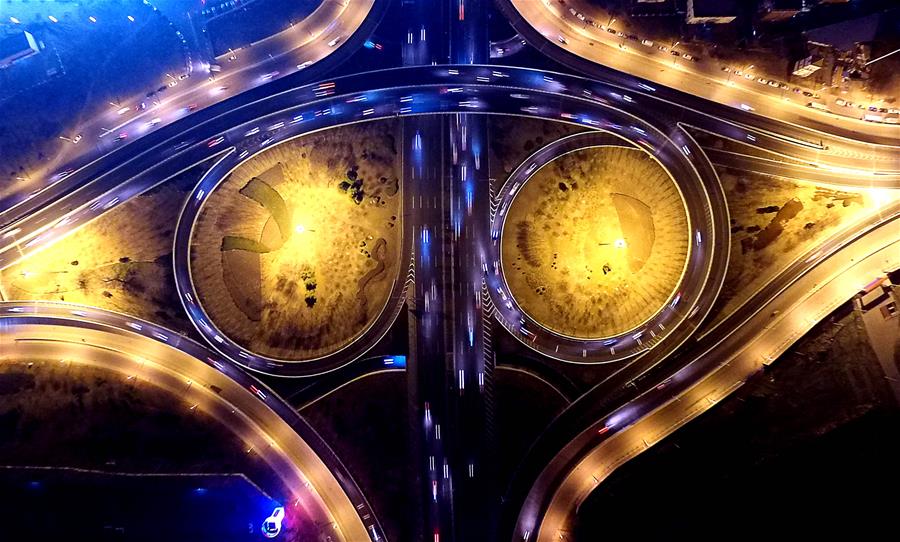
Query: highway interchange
[{"x": 453, "y": 217}]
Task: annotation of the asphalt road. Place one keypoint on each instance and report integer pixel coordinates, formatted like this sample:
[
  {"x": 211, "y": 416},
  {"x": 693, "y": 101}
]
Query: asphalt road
[
  {"x": 305, "y": 44},
  {"x": 726, "y": 359},
  {"x": 549, "y": 26},
  {"x": 619, "y": 105},
  {"x": 146, "y": 352}
]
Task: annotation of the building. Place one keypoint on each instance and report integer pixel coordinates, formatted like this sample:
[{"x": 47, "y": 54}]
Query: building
[
  {"x": 653, "y": 8},
  {"x": 808, "y": 66},
  {"x": 16, "y": 46},
  {"x": 846, "y": 49},
  {"x": 711, "y": 11},
  {"x": 780, "y": 10}
]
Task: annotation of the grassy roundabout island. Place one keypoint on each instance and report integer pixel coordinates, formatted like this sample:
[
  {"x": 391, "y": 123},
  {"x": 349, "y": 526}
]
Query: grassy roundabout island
[
  {"x": 595, "y": 242},
  {"x": 295, "y": 253}
]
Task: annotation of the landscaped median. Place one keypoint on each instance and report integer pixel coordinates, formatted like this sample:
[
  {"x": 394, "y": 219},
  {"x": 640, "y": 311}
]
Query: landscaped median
[{"x": 295, "y": 254}]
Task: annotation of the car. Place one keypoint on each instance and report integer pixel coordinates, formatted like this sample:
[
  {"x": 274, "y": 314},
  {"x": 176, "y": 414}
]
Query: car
[
  {"x": 62, "y": 174},
  {"x": 773, "y": 84},
  {"x": 783, "y": 86},
  {"x": 335, "y": 41},
  {"x": 562, "y": 39},
  {"x": 746, "y": 107},
  {"x": 893, "y": 111},
  {"x": 153, "y": 122},
  {"x": 120, "y": 137},
  {"x": 796, "y": 90},
  {"x": 77, "y": 138},
  {"x": 269, "y": 75},
  {"x": 271, "y": 527},
  {"x": 215, "y": 141},
  {"x": 306, "y": 64},
  {"x": 762, "y": 80},
  {"x": 191, "y": 108},
  {"x": 841, "y": 102},
  {"x": 696, "y": 58},
  {"x": 611, "y": 30},
  {"x": 687, "y": 56},
  {"x": 648, "y": 43},
  {"x": 183, "y": 76},
  {"x": 620, "y": 34},
  {"x": 726, "y": 69},
  {"x": 808, "y": 94},
  {"x": 663, "y": 48},
  {"x": 163, "y": 88},
  {"x": 173, "y": 83},
  {"x": 633, "y": 37},
  {"x": 675, "y": 53}
]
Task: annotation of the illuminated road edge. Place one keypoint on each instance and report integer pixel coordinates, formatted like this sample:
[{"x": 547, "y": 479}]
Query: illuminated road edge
[
  {"x": 712, "y": 375},
  {"x": 144, "y": 351},
  {"x": 667, "y": 318}
]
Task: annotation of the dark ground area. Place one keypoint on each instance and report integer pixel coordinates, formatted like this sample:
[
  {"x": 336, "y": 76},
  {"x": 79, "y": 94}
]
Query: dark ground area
[
  {"x": 56, "y": 414},
  {"x": 44, "y": 505},
  {"x": 99, "y": 64},
  {"x": 525, "y": 406},
  {"x": 808, "y": 448},
  {"x": 255, "y": 21},
  {"x": 366, "y": 423}
]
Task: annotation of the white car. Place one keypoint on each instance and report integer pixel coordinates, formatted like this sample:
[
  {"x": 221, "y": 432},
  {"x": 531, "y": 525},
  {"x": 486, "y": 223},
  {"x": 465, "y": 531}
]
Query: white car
[
  {"x": 335, "y": 41},
  {"x": 271, "y": 527}
]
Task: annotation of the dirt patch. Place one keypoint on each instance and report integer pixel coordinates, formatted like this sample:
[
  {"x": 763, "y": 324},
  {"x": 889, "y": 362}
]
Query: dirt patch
[
  {"x": 595, "y": 242},
  {"x": 773, "y": 221},
  {"x": 320, "y": 215},
  {"x": 121, "y": 261}
]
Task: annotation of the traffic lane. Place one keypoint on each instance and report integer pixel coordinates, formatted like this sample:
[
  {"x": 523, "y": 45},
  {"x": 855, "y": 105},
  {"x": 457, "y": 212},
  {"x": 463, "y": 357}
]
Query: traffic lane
[
  {"x": 700, "y": 107},
  {"x": 582, "y": 52},
  {"x": 804, "y": 172},
  {"x": 464, "y": 75},
  {"x": 633, "y": 342},
  {"x": 507, "y": 47},
  {"x": 469, "y": 184},
  {"x": 726, "y": 366},
  {"x": 279, "y": 54},
  {"x": 195, "y": 380},
  {"x": 330, "y": 382},
  {"x": 63, "y": 216},
  {"x": 334, "y": 111},
  {"x": 723, "y": 129},
  {"x": 426, "y": 140},
  {"x": 600, "y": 410}
]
